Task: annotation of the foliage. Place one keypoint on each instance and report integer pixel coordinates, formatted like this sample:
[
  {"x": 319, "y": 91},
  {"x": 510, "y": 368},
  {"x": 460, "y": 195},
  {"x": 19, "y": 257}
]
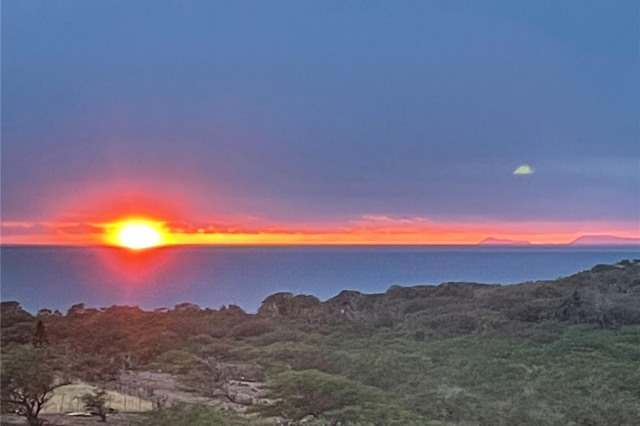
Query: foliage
[
  {"x": 187, "y": 415},
  {"x": 176, "y": 361},
  {"x": 251, "y": 329},
  {"x": 544, "y": 353},
  {"x": 310, "y": 392},
  {"x": 27, "y": 381},
  {"x": 96, "y": 402},
  {"x": 379, "y": 413},
  {"x": 40, "y": 336}
]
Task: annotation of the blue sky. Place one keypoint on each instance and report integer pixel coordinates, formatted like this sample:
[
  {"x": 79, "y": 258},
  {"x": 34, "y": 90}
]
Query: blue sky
[{"x": 300, "y": 112}]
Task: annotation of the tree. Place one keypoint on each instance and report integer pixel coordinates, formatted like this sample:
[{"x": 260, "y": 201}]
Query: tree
[
  {"x": 298, "y": 394},
  {"x": 28, "y": 381},
  {"x": 206, "y": 375},
  {"x": 40, "y": 336},
  {"x": 97, "y": 402},
  {"x": 180, "y": 414},
  {"x": 334, "y": 400}
]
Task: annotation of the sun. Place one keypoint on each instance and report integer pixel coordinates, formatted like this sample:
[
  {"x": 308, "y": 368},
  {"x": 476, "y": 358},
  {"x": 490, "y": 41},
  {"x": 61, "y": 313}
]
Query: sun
[{"x": 139, "y": 235}]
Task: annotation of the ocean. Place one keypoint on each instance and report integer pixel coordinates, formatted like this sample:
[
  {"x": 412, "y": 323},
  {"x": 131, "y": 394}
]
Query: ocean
[{"x": 58, "y": 277}]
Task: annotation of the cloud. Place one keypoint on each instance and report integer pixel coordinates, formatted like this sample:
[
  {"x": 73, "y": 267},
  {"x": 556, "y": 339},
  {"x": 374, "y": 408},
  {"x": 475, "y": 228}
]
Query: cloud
[
  {"x": 42, "y": 228},
  {"x": 78, "y": 229},
  {"x": 523, "y": 170},
  {"x": 22, "y": 228}
]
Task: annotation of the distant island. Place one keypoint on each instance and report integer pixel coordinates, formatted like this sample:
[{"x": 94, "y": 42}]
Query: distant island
[
  {"x": 503, "y": 242},
  {"x": 585, "y": 240},
  {"x": 605, "y": 240}
]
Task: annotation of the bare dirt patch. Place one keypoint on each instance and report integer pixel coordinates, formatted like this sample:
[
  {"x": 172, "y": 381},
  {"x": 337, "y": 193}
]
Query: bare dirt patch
[
  {"x": 67, "y": 399},
  {"x": 235, "y": 395}
]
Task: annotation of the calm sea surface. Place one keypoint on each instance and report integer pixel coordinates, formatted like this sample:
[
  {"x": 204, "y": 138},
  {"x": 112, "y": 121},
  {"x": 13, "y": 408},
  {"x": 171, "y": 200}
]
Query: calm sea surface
[{"x": 56, "y": 278}]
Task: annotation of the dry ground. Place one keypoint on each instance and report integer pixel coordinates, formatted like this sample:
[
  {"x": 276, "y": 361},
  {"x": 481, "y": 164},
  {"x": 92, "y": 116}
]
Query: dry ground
[
  {"x": 66, "y": 399},
  {"x": 166, "y": 385}
]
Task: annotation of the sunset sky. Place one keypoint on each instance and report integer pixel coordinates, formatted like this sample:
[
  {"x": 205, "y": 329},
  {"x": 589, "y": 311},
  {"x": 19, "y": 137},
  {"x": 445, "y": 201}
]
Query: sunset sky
[{"x": 304, "y": 122}]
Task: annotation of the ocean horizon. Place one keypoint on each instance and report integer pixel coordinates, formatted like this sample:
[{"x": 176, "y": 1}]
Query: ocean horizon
[{"x": 57, "y": 277}]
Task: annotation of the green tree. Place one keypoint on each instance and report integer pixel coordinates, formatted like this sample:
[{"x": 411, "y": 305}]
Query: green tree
[
  {"x": 96, "y": 402},
  {"x": 28, "y": 381},
  {"x": 376, "y": 414},
  {"x": 335, "y": 399},
  {"x": 180, "y": 414},
  {"x": 40, "y": 336}
]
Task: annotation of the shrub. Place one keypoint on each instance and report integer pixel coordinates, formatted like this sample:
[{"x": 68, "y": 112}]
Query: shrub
[
  {"x": 310, "y": 392},
  {"x": 187, "y": 415},
  {"x": 251, "y": 329},
  {"x": 28, "y": 381}
]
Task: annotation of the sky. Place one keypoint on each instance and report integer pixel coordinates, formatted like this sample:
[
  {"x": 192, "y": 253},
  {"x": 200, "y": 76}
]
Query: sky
[{"x": 297, "y": 122}]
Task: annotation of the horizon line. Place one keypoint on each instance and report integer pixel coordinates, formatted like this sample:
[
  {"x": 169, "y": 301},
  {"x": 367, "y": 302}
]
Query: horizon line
[{"x": 331, "y": 244}]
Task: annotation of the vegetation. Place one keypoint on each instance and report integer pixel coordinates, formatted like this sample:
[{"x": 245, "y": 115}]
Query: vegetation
[
  {"x": 40, "y": 336},
  {"x": 28, "y": 381},
  {"x": 546, "y": 353},
  {"x": 299, "y": 394},
  {"x": 97, "y": 403},
  {"x": 187, "y": 415}
]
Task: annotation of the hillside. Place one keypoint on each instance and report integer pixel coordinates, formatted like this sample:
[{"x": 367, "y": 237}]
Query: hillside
[
  {"x": 547, "y": 352},
  {"x": 491, "y": 241},
  {"x": 606, "y": 296},
  {"x": 605, "y": 240}
]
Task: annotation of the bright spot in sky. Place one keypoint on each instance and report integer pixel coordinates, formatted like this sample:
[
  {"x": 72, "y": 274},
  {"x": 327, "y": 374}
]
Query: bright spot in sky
[
  {"x": 523, "y": 170},
  {"x": 139, "y": 235}
]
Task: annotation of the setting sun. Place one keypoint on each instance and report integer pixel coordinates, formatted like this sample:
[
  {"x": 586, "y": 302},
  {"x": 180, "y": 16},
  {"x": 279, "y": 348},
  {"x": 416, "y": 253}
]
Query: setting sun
[{"x": 139, "y": 235}]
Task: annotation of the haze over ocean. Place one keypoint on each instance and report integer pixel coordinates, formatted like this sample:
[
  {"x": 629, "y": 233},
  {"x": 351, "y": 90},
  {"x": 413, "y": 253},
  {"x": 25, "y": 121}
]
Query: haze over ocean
[{"x": 58, "y": 277}]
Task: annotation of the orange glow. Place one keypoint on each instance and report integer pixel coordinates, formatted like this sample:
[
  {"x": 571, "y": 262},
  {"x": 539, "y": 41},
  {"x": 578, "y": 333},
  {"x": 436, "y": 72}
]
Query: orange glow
[
  {"x": 151, "y": 230},
  {"x": 136, "y": 269},
  {"x": 138, "y": 235}
]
